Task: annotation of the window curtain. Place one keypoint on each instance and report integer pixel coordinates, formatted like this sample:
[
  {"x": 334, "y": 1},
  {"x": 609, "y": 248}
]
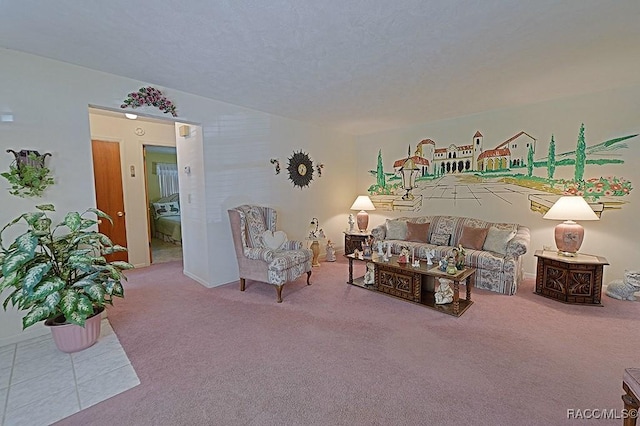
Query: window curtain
[{"x": 168, "y": 178}]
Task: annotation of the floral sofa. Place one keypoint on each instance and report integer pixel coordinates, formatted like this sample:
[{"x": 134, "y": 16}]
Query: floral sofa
[{"x": 494, "y": 249}]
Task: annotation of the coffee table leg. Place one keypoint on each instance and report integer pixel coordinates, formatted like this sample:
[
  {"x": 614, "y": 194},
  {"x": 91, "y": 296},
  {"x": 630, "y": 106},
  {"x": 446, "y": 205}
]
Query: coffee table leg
[
  {"x": 456, "y": 297},
  {"x": 469, "y": 282},
  {"x": 350, "y": 271}
]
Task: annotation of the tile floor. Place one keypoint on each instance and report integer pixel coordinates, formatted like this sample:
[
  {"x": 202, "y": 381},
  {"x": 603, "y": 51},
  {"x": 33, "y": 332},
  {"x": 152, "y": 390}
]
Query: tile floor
[{"x": 40, "y": 385}]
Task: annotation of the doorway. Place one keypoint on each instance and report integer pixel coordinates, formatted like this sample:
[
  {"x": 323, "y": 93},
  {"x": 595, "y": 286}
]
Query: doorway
[
  {"x": 163, "y": 198},
  {"x": 131, "y": 136}
]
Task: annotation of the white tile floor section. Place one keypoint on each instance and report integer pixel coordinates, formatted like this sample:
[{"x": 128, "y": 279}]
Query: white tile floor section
[{"x": 40, "y": 385}]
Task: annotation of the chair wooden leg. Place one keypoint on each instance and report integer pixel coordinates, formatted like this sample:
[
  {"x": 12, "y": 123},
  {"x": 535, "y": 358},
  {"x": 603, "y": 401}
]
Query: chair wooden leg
[
  {"x": 308, "y": 277},
  {"x": 242, "y": 284},
  {"x": 279, "y": 291}
]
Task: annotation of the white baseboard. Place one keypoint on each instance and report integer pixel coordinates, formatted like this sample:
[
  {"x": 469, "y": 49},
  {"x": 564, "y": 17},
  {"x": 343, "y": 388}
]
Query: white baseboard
[{"x": 197, "y": 278}]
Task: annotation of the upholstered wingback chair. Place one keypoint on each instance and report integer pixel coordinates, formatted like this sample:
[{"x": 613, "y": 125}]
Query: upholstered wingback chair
[{"x": 256, "y": 261}]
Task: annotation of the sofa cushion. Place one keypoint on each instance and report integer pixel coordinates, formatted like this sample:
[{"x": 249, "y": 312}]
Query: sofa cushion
[
  {"x": 473, "y": 238},
  {"x": 497, "y": 239},
  {"x": 440, "y": 239},
  {"x": 417, "y": 232},
  {"x": 396, "y": 230}
]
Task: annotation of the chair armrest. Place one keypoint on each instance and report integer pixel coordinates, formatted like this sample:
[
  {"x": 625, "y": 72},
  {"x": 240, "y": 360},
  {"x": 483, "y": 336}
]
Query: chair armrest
[
  {"x": 265, "y": 254},
  {"x": 519, "y": 244},
  {"x": 291, "y": 245}
]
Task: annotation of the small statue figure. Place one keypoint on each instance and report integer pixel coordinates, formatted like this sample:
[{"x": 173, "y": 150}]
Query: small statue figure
[
  {"x": 459, "y": 254},
  {"x": 380, "y": 252},
  {"x": 625, "y": 288},
  {"x": 357, "y": 254},
  {"x": 352, "y": 223},
  {"x": 430, "y": 255},
  {"x": 331, "y": 252},
  {"x": 369, "y": 275},
  {"x": 404, "y": 255},
  {"x": 451, "y": 266},
  {"x": 444, "y": 292},
  {"x": 442, "y": 265}
]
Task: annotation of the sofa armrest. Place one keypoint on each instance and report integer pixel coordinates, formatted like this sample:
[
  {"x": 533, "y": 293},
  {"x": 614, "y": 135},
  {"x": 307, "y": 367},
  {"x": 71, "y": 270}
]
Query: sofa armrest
[
  {"x": 519, "y": 244},
  {"x": 291, "y": 245},
  {"x": 379, "y": 232},
  {"x": 265, "y": 254}
]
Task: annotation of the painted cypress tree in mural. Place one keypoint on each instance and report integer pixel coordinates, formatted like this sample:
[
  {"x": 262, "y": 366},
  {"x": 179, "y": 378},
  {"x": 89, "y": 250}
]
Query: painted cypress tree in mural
[
  {"x": 551, "y": 159},
  {"x": 530, "y": 161},
  {"x": 581, "y": 156},
  {"x": 380, "y": 172}
]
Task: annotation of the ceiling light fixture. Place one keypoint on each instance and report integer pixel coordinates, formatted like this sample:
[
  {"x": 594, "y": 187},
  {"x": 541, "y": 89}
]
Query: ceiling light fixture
[{"x": 130, "y": 116}]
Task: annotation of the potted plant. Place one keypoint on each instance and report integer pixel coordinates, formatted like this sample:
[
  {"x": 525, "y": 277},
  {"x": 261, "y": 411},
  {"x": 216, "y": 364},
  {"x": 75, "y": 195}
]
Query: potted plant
[{"x": 59, "y": 273}]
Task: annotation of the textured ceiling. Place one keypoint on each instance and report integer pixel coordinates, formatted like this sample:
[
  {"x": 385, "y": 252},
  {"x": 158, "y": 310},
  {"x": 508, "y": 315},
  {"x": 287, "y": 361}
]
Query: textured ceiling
[{"x": 359, "y": 66}]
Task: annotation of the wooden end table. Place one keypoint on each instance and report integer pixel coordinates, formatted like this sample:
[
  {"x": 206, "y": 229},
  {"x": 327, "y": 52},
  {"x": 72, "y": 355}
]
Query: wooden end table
[
  {"x": 575, "y": 280},
  {"x": 354, "y": 240}
]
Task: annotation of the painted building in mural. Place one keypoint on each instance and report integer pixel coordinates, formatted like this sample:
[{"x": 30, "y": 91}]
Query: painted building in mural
[{"x": 470, "y": 157}]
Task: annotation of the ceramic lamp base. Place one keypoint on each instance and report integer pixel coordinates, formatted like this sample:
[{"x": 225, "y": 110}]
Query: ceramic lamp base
[
  {"x": 363, "y": 220},
  {"x": 569, "y": 236}
]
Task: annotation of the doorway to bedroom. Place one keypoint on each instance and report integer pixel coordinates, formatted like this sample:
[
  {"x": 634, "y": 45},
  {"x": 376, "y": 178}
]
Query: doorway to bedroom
[{"x": 163, "y": 193}]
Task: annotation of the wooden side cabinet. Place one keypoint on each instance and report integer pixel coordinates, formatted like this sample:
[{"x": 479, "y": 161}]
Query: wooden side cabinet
[
  {"x": 354, "y": 241},
  {"x": 575, "y": 280}
]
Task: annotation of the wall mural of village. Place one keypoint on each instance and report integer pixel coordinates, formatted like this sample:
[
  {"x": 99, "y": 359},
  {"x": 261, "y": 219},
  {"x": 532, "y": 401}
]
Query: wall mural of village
[{"x": 519, "y": 168}]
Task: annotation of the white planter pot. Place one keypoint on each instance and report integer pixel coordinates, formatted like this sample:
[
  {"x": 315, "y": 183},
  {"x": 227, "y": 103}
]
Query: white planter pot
[{"x": 73, "y": 338}]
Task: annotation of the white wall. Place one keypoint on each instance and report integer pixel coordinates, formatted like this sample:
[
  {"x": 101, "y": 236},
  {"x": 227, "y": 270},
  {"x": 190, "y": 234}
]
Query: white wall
[
  {"x": 605, "y": 115},
  {"x": 230, "y": 164}
]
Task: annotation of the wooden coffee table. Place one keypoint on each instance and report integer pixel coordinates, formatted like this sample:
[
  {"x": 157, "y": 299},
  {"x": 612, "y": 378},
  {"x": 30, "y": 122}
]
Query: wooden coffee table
[{"x": 403, "y": 281}]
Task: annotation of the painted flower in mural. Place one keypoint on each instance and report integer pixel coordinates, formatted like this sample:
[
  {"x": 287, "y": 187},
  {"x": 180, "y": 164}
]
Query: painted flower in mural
[
  {"x": 152, "y": 97},
  {"x": 594, "y": 188}
]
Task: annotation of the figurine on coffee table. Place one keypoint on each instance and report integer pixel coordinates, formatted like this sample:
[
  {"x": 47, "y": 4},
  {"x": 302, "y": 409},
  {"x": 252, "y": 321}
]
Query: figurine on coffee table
[
  {"x": 430, "y": 255},
  {"x": 444, "y": 292},
  {"x": 369, "y": 275},
  {"x": 404, "y": 255}
]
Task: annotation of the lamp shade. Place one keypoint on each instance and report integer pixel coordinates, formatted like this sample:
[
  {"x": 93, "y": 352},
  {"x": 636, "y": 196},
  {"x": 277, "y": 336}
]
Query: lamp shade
[
  {"x": 569, "y": 234},
  {"x": 571, "y": 207},
  {"x": 362, "y": 203}
]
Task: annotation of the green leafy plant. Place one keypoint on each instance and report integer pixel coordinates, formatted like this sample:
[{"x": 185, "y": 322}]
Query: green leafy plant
[
  {"x": 60, "y": 270},
  {"x": 28, "y": 179}
]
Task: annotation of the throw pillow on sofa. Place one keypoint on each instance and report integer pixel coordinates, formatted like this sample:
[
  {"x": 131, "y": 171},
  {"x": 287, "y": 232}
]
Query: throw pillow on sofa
[
  {"x": 417, "y": 232},
  {"x": 396, "y": 230},
  {"x": 440, "y": 239},
  {"x": 497, "y": 239},
  {"x": 473, "y": 238}
]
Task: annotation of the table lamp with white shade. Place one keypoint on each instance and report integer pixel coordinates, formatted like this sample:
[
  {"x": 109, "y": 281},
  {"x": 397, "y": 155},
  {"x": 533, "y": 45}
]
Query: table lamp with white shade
[
  {"x": 569, "y": 234},
  {"x": 362, "y": 203}
]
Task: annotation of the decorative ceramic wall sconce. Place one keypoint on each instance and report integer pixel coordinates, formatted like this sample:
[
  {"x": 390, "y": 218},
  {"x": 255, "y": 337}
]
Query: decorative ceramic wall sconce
[{"x": 28, "y": 175}]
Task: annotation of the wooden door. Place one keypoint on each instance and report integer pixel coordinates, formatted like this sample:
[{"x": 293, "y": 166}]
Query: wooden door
[{"x": 107, "y": 170}]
